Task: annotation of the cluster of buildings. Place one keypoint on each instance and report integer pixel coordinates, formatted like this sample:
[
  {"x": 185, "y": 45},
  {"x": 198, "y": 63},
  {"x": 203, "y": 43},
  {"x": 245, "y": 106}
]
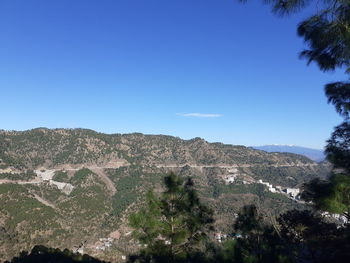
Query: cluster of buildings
[
  {"x": 340, "y": 218},
  {"x": 104, "y": 243},
  {"x": 231, "y": 177},
  {"x": 269, "y": 186},
  {"x": 291, "y": 192}
]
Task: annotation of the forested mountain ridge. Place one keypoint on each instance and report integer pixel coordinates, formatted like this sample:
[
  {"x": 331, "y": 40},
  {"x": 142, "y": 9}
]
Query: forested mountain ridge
[
  {"x": 74, "y": 188},
  {"x": 47, "y": 147}
]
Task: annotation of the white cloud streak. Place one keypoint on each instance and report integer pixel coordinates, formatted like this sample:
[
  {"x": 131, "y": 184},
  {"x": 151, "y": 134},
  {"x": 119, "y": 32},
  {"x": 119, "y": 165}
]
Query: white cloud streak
[{"x": 200, "y": 115}]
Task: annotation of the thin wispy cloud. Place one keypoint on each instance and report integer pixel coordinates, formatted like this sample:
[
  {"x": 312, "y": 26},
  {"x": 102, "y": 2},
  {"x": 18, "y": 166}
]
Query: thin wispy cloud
[{"x": 200, "y": 115}]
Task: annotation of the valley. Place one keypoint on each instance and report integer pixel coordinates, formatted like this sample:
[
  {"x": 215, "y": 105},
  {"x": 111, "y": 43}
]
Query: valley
[{"x": 63, "y": 188}]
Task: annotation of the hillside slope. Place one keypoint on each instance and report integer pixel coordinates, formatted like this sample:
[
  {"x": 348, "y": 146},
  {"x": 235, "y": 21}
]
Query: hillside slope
[{"x": 74, "y": 188}]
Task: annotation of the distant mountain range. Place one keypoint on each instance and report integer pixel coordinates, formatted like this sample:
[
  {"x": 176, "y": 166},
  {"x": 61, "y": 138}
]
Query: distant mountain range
[{"x": 316, "y": 155}]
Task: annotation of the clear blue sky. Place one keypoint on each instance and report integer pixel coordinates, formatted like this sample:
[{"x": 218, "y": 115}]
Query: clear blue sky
[{"x": 122, "y": 66}]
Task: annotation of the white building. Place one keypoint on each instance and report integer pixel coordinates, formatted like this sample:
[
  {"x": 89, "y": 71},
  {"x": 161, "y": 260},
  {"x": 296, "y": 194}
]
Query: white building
[
  {"x": 292, "y": 192},
  {"x": 229, "y": 179}
]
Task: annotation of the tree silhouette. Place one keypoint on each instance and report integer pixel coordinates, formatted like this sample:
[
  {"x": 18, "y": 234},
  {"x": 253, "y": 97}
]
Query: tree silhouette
[{"x": 42, "y": 254}]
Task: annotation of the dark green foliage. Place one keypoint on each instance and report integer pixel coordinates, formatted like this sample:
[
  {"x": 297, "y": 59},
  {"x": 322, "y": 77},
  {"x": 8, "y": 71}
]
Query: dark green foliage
[
  {"x": 24, "y": 176},
  {"x": 338, "y": 93},
  {"x": 285, "y": 7},
  {"x": 27, "y": 209},
  {"x": 42, "y": 254},
  {"x": 327, "y": 35},
  {"x": 338, "y": 148},
  {"x": 311, "y": 239},
  {"x": 127, "y": 181},
  {"x": 124, "y": 197},
  {"x": 61, "y": 177},
  {"x": 260, "y": 241},
  {"x": 174, "y": 225},
  {"x": 220, "y": 189},
  {"x": 249, "y": 220},
  {"x": 332, "y": 195},
  {"x": 80, "y": 176},
  {"x": 296, "y": 236}
]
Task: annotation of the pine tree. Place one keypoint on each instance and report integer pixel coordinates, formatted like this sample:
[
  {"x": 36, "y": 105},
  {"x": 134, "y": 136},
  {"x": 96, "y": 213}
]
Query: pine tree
[{"x": 172, "y": 226}]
